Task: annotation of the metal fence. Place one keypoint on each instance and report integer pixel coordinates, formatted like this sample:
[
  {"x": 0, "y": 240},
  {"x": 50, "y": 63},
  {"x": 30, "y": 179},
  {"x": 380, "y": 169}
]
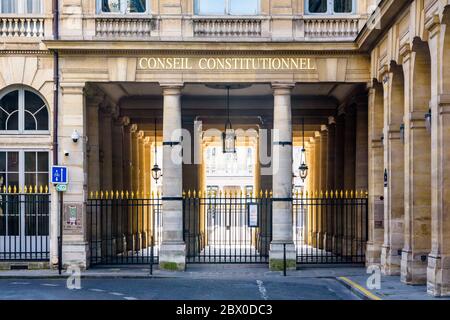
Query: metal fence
[
  {"x": 124, "y": 228},
  {"x": 24, "y": 224},
  {"x": 227, "y": 228},
  {"x": 331, "y": 227}
]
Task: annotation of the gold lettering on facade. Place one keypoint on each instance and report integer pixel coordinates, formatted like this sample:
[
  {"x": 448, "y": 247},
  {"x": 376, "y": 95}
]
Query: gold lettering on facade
[{"x": 227, "y": 64}]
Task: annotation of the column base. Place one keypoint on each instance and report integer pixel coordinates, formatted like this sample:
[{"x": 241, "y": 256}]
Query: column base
[
  {"x": 75, "y": 254},
  {"x": 276, "y": 256},
  {"x": 414, "y": 268},
  {"x": 172, "y": 256},
  {"x": 373, "y": 254},
  {"x": 438, "y": 275},
  {"x": 390, "y": 261}
]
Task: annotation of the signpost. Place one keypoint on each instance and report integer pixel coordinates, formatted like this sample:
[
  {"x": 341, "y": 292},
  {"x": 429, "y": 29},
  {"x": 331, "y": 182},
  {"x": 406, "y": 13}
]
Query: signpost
[{"x": 60, "y": 178}]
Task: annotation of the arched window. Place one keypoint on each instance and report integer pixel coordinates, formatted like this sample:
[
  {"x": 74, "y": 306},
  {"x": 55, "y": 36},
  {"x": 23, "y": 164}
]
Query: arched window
[
  {"x": 330, "y": 6},
  {"x": 22, "y": 111}
]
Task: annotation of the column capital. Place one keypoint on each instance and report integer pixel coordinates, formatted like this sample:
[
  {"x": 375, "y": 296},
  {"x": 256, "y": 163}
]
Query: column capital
[
  {"x": 282, "y": 88},
  {"x": 171, "y": 88},
  {"x": 323, "y": 129},
  {"x": 331, "y": 120},
  {"x": 134, "y": 128},
  {"x": 141, "y": 134}
]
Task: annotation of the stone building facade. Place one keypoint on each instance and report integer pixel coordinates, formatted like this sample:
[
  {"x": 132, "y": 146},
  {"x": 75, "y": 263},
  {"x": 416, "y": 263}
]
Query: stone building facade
[{"x": 370, "y": 78}]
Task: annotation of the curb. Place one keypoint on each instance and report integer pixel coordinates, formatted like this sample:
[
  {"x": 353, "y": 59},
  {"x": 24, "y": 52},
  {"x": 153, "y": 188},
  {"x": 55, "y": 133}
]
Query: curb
[
  {"x": 83, "y": 276},
  {"x": 357, "y": 289}
]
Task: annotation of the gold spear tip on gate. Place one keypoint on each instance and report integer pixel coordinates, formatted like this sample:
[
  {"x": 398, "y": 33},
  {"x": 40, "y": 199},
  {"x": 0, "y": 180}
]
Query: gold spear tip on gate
[
  {"x": 24, "y": 190},
  {"x": 194, "y": 194},
  {"x": 267, "y": 193},
  {"x": 91, "y": 195},
  {"x": 352, "y": 194},
  {"x": 327, "y": 194},
  {"x": 332, "y": 194},
  {"x": 4, "y": 189}
]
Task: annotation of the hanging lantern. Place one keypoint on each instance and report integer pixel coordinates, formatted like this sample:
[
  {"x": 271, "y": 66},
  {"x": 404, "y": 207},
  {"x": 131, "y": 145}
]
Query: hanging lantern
[
  {"x": 229, "y": 135},
  {"x": 428, "y": 120},
  {"x": 303, "y": 169},
  {"x": 402, "y": 132},
  {"x": 156, "y": 170}
]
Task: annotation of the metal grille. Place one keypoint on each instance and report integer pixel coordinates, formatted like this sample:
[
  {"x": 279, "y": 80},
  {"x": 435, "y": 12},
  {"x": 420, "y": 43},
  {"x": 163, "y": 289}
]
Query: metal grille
[
  {"x": 124, "y": 229},
  {"x": 227, "y": 228},
  {"x": 330, "y": 228},
  {"x": 24, "y": 226}
]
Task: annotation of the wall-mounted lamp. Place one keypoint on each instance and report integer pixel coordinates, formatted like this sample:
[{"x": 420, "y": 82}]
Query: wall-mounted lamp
[
  {"x": 156, "y": 170},
  {"x": 428, "y": 120},
  {"x": 75, "y": 136},
  {"x": 402, "y": 132}
]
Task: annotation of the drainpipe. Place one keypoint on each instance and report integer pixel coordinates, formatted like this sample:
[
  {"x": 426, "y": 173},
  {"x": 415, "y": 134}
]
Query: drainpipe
[
  {"x": 56, "y": 81},
  {"x": 55, "y": 8}
]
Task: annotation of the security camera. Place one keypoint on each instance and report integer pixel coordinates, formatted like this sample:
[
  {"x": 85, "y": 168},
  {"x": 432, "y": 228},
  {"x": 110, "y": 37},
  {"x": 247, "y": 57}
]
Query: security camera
[
  {"x": 75, "y": 136},
  {"x": 66, "y": 153}
]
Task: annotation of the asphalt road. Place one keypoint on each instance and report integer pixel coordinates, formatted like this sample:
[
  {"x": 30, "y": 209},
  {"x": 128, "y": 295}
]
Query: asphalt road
[{"x": 176, "y": 289}]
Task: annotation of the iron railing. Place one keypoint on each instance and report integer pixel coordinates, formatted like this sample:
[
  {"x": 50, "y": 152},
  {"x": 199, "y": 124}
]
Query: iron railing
[
  {"x": 331, "y": 227},
  {"x": 227, "y": 227},
  {"x": 24, "y": 224},
  {"x": 124, "y": 228}
]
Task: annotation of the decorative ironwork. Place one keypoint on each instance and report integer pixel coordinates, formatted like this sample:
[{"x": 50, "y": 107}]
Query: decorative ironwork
[
  {"x": 125, "y": 227},
  {"x": 24, "y": 223},
  {"x": 217, "y": 228},
  {"x": 330, "y": 227}
]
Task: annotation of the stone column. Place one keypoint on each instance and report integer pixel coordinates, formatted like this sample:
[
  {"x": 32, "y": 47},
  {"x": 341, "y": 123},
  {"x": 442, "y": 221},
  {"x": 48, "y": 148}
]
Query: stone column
[
  {"x": 376, "y": 176},
  {"x": 117, "y": 154},
  {"x": 126, "y": 158},
  {"x": 173, "y": 249},
  {"x": 106, "y": 148},
  {"x": 339, "y": 153},
  {"x": 331, "y": 154},
  {"x": 322, "y": 214},
  {"x": 134, "y": 152},
  {"x": 72, "y": 117},
  {"x": 316, "y": 192},
  {"x": 362, "y": 140},
  {"x": 393, "y": 160},
  {"x": 311, "y": 190},
  {"x": 438, "y": 272},
  {"x": 350, "y": 149},
  {"x": 93, "y": 144},
  {"x": 282, "y": 232},
  {"x": 417, "y": 239}
]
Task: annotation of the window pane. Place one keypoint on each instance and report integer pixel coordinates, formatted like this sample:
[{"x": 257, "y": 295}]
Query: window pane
[
  {"x": 33, "y": 102},
  {"x": 211, "y": 6},
  {"x": 30, "y": 122},
  {"x": 2, "y": 161},
  {"x": 42, "y": 119},
  {"x": 30, "y": 161},
  {"x": 43, "y": 161},
  {"x": 9, "y": 106},
  {"x": 42, "y": 180},
  {"x": 34, "y": 6},
  {"x": 13, "y": 180},
  {"x": 111, "y": 6},
  {"x": 8, "y": 6},
  {"x": 13, "y": 161},
  {"x": 30, "y": 179},
  {"x": 247, "y": 7},
  {"x": 317, "y": 6},
  {"x": 136, "y": 6},
  {"x": 343, "y": 6}
]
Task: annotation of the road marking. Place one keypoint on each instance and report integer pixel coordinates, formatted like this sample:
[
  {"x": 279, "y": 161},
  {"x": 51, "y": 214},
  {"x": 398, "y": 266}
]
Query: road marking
[
  {"x": 116, "y": 293},
  {"x": 97, "y": 290},
  {"x": 130, "y": 298},
  {"x": 20, "y": 283},
  {"x": 262, "y": 290},
  {"x": 364, "y": 291},
  {"x": 49, "y": 285}
]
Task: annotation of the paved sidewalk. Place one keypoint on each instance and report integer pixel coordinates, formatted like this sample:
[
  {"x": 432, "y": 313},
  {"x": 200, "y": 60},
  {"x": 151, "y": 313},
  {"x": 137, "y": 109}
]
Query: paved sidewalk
[
  {"x": 391, "y": 289},
  {"x": 354, "y": 278}
]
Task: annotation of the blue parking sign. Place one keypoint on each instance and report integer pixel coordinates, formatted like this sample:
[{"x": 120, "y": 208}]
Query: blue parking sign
[{"x": 59, "y": 175}]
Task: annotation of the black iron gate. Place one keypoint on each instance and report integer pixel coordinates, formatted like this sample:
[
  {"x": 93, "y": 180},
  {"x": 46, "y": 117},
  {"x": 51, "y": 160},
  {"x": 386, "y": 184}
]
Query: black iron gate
[
  {"x": 331, "y": 228},
  {"x": 227, "y": 228},
  {"x": 124, "y": 228}
]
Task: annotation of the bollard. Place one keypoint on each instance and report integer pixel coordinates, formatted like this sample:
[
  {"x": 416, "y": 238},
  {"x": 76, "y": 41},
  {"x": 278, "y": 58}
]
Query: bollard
[
  {"x": 152, "y": 255},
  {"x": 284, "y": 260}
]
